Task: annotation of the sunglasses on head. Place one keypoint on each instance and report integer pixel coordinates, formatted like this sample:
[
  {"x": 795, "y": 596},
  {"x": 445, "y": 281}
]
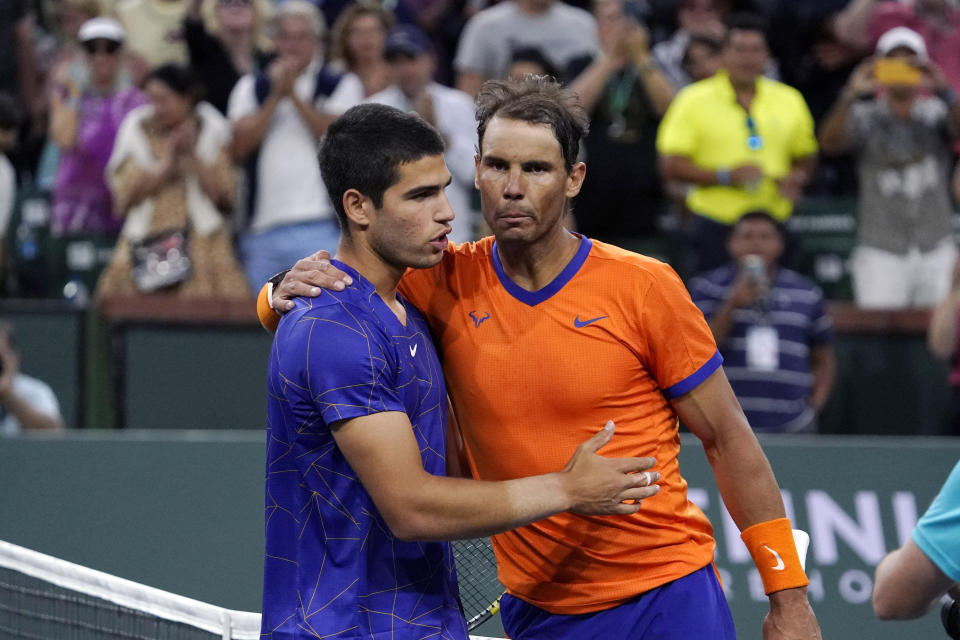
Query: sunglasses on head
[{"x": 101, "y": 45}]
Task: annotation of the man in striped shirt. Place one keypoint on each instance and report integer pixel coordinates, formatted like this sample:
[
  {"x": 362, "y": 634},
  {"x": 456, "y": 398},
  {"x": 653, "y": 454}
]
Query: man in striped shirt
[{"x": 772, "y": 329}]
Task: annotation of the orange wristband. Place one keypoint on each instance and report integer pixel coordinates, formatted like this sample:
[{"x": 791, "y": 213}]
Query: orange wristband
[
  {"x": 771, "y": 545},
  {"x": 268, "y": 317}
]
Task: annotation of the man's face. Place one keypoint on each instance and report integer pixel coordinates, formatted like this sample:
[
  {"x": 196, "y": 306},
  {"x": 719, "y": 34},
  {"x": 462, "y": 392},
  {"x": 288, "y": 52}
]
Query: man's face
[
  {"x": 410, "y": 228},
  {"x": 745, "y": 55},
  {"x": 523, "y": 183},
  {"x": 756, "y": 237},
  {"x": 296, "y": 42},
  {"x": 411, "y": 73}
]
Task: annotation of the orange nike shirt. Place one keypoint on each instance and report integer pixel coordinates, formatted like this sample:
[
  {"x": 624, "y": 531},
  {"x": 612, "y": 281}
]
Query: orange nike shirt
[{"x": 534, "y": 374}]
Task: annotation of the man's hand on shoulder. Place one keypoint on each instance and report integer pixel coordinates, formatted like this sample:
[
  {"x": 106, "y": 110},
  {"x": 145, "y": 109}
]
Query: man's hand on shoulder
[
  {"x": 307, "y": 277},
  {"x": 791, "y": 617}
]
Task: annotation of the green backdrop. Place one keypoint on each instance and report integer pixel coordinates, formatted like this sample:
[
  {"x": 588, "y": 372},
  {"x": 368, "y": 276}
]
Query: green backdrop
[{"x": 183, "y": 511}]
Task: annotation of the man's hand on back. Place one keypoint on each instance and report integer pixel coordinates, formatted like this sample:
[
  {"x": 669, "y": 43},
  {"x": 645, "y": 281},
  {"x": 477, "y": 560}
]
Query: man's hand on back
[{"x": 307, "y": 277}]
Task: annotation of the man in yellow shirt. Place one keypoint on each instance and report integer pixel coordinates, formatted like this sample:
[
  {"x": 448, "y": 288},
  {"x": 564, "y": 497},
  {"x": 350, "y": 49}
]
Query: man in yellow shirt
[{"x": 743, "y": 141}]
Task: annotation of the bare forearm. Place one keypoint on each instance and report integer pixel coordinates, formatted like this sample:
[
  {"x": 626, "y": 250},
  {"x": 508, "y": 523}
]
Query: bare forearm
[
  {"x": 589, "y": 85},
  {"x": 942, "y": 333},
  {"x": 248, "y": 132},
  {"x": 659, "y": 89},
  {"x": 63, "y": 124},
  {"x": 683, "y": 169},
  {"x": 29, "y": 418},
  {"x": 209, "y": 182},
  {"x": 833, "y": 138},
  {"x": 457, "y": 508},
  {"x": 850, "y": 25},
  {"x": 317, "y": 121},
  {"x": 721, "y": 322},
  {"x": 823, "y": 364},
  {"x": 150, "y": 184},
  {"x": 743, "y": 475}
]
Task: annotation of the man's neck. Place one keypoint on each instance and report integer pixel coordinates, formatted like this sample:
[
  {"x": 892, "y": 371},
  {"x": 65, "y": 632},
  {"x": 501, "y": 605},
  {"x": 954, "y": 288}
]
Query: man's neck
[
  {"x": 534, "y": 266},
  {"x": 384, "y": 277}
]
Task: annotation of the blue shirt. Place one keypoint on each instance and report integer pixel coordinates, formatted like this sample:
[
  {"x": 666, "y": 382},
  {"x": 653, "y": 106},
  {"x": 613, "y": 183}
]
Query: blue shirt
[
  {"x": 938, "y": 532},
  {"x": 333, "y": 568},
  {"x": 774, "y": 401}
]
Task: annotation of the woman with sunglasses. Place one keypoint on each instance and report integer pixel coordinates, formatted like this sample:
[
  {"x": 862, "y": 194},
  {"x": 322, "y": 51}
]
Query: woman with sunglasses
[{"x": 90, "y": 99}]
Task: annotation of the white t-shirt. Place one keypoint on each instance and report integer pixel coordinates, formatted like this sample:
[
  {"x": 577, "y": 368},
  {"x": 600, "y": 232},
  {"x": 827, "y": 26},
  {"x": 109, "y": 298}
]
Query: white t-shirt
[
  {"x": 489, "y": 39},
  {"x": 457, "y": 123},
  {"x": 37, "y": 394},
  {"x": 289, "y": 187},
  {"x": 8, "y": 193}
]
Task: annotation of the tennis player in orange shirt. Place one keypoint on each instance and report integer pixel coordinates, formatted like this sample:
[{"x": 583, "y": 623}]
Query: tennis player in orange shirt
[{"x": 548, "y": 331}]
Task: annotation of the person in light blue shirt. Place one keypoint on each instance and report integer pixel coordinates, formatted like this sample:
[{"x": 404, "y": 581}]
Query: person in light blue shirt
[{"x": 910, "y": 579}]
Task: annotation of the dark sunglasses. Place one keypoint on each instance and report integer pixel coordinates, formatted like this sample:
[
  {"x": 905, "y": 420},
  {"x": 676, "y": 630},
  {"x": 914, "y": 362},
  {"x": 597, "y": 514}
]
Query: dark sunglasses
[
  {"x": 101, "y": 45},
  {"x": 236, "y": 3},
  {"x": 754, "y": 139}
]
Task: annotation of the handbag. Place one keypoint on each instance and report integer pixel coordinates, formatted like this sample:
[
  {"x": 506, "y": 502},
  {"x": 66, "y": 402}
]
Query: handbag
[{"x": 161, "y": 260}]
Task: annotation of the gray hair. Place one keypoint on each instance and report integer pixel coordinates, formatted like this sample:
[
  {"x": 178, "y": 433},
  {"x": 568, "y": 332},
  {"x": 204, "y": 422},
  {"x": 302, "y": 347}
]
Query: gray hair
[{"x": 299, "y": 9}]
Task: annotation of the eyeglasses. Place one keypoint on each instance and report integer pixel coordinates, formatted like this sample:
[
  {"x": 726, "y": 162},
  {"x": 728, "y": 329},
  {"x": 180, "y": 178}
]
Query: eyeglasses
[
  {"x": 101, "y": 45},
  {"x": 754, "y": 139},
  {"x": 236, "y": 3}
]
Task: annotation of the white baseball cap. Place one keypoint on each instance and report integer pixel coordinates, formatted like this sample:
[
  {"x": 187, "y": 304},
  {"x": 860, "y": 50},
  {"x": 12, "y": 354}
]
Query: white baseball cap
[
  {"x": 105, "y": 28},
  {"x": 902, "y": 37}
]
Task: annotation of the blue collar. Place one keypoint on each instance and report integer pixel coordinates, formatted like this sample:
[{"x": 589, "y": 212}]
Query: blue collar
[{"x": 533, "y": 298}]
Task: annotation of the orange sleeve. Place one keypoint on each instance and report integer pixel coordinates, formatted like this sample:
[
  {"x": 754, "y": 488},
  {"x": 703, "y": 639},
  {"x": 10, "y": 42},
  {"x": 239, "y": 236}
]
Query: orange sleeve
[
  {"x": 269, "y": 318},
  {"x": 680, "y": 350}
]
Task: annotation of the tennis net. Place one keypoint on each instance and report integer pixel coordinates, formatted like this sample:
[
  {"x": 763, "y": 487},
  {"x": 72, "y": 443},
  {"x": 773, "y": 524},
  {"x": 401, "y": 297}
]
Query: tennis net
[{"x": 46, "y": 598}]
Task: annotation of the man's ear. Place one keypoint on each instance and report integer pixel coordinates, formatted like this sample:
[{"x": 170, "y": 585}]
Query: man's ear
[{"x": 358, "y": 208}]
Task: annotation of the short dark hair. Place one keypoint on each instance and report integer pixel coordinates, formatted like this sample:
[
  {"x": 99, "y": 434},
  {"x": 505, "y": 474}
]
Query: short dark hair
[
  {"x": 537, "y": 100},
  {"x": 535, "y": 56},
  {"x": 181, "y": 79},
  {"x": 760, "y": 215},
  {"x": 11, "y": 116},
  {"x": 745, "y": 21},
  {"x": 364, "y": 148}
]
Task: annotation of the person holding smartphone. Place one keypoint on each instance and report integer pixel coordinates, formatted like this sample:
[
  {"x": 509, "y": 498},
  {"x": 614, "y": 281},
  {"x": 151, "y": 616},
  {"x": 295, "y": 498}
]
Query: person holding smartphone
[{"x": 899, "y": 116}]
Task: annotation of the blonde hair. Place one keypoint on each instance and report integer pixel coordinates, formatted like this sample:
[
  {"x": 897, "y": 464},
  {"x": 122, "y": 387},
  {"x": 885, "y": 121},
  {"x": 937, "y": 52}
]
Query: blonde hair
[
  {"x": 263, "y": 14},
  {"x": 339, "y": 51}
]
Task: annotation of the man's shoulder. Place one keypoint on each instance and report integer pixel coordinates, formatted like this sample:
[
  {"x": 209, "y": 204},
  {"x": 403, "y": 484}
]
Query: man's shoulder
[
  {"x": 348, "y": 310},
  {"x": 782, "y": 91},
  {"x": 623, "y": 263},
  {"x": 790, "y": 279},
  {"x": 503, "y": 13},
  {"x": 451, "y": 96},
  {"x": 566, "y": 12},
  {"x": 30, "y": 386}
]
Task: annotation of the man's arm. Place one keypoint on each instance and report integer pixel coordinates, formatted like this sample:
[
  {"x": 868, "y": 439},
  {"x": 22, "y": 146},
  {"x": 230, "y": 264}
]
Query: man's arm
[
  {"x": 417, "y": 505},
  {"x": 907, "y": 584},
  {"x": 833, "y": 132},
  {"x": 683, "y": 169},
  {"x": 823, "y": 365},
  {"x": 316, "y": 120},
  {"x": 747, "y": 485}
]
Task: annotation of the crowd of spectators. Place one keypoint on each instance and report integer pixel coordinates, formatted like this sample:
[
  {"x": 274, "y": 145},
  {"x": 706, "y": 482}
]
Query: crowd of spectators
[{"x": 184, "y": 134}]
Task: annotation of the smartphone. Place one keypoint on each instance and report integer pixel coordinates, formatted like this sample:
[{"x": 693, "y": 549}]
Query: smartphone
[{"x": 896, "y": 71}]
